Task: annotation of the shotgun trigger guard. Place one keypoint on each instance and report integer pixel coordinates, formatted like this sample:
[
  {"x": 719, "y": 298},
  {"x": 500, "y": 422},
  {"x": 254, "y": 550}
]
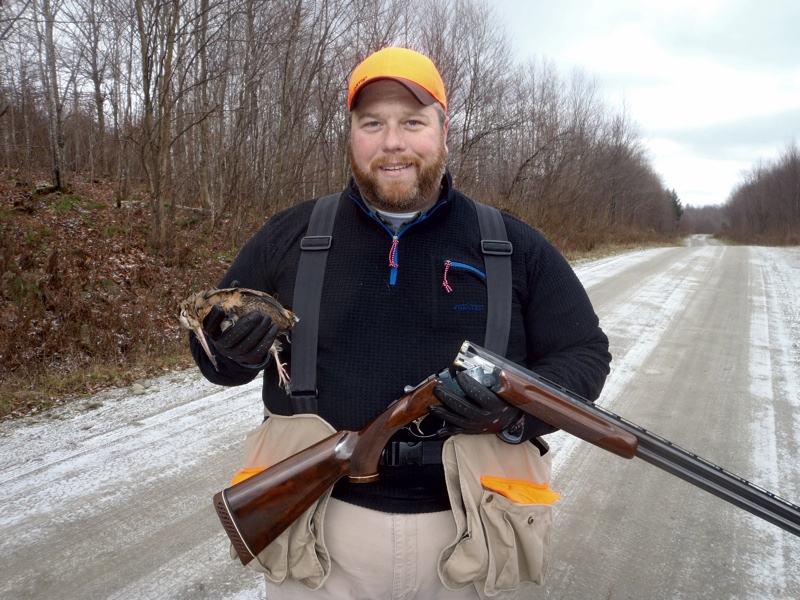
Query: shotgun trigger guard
[{"x": 415, "y": 427}]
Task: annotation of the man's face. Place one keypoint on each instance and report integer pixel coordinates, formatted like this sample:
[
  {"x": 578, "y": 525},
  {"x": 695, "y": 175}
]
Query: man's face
[{"x": 397, "y": 148}]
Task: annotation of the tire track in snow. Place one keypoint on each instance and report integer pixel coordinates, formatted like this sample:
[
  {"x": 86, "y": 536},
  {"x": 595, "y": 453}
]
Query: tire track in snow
[
  {"x": 636, "y": 326},
  {"x": 770, "y": 347}
]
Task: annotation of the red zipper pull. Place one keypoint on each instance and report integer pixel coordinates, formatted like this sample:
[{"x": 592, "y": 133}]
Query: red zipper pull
[
  {"x": 444, "y": 281},
  {"x": 393, "y": 254}
]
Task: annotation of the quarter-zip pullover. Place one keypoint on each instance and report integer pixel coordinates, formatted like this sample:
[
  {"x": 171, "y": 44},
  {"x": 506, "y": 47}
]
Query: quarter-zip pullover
[{"x": 386, "y": 323}]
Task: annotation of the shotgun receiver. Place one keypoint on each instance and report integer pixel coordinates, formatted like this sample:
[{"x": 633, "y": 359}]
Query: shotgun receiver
[{"x": 257, "y": 510}]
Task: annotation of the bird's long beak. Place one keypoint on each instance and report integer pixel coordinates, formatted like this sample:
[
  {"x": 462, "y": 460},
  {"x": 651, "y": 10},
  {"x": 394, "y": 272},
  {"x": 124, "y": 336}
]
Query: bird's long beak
[{"x": 201, "y": 336}]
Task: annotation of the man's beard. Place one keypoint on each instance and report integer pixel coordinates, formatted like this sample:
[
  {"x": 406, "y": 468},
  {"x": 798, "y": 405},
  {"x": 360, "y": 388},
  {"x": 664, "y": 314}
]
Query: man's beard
[{"x": 400, "y": 196}]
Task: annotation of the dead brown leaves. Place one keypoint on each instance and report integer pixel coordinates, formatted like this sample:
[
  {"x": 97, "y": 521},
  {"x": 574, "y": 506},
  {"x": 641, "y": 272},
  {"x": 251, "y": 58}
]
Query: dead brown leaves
[{"x": 84, "y": 302}]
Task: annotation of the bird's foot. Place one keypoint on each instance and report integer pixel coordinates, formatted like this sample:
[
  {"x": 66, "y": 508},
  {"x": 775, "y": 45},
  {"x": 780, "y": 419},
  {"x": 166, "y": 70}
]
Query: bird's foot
[{"x": 283, "y": 376}]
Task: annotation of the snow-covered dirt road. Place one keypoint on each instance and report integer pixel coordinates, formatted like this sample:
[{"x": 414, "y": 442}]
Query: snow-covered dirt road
[
  {"x": 706, "y": 344},
  {"x": 111, "y": 497}
]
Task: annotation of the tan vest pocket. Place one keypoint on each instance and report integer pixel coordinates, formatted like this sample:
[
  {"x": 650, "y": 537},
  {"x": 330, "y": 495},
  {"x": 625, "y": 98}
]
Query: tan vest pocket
[
  {"x": 518, "y": 540},
  {"x": 299, "y": 552},
  {"x": 499, "y": 544}
]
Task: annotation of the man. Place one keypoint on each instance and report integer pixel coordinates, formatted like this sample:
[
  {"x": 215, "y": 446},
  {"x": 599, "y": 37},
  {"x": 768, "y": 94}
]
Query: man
[{"x": 404, "y": 286}]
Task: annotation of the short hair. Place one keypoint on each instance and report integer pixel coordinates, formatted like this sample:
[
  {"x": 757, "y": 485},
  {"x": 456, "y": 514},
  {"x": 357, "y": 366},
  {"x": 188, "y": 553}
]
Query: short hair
[{"x": 441, "y": 114}]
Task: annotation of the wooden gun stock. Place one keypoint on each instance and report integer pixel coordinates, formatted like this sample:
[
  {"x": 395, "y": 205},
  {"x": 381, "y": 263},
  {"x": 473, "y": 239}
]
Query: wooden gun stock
[{"x": 257, "y": 510}]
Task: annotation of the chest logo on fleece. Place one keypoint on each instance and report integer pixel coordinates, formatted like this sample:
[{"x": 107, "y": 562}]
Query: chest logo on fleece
[{"x": 469, "y": 307}]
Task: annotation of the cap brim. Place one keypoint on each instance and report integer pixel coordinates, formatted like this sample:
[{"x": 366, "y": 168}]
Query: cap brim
[{"x": 422, "y": 95}]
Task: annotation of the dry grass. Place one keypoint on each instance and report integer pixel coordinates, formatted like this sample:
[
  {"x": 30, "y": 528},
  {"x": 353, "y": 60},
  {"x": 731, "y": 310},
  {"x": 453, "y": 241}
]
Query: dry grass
[{"x": 612, "y": 248}]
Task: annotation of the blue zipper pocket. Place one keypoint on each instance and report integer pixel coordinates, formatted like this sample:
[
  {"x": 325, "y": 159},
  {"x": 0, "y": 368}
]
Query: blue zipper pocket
[{"x": 449, "y": 264}]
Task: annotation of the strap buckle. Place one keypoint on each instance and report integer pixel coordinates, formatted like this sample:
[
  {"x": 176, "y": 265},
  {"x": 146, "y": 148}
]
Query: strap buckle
[
  {"x": 398, "y": 454},
  {"x": 316, "y": 242},
  {"x": 305, "y": 402},
  {"x": 497, "y": 247}
]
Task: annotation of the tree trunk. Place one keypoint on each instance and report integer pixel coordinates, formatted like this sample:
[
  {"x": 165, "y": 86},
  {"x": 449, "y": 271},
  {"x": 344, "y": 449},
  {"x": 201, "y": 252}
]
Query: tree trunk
[
  {"x": 157, "y": 77},
  {"x": 204, "y": 168},
  {"x": 49, "y": 76}
]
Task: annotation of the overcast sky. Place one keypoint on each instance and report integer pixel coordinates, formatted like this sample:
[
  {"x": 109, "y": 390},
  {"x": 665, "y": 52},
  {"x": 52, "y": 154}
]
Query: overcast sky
[{"x": 714, "y": 85}]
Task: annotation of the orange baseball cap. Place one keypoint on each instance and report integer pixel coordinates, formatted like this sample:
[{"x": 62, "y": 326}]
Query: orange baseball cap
[{"x": 413, "y": 70}]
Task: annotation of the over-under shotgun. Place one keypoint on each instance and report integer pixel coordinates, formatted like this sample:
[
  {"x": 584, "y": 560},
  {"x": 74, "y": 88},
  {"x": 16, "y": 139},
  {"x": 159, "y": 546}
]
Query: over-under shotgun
[{"x": 257, "y": 510}]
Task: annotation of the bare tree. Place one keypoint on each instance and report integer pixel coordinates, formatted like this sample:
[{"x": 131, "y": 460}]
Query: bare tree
[
  {"x": 90, "y": 35},
  {"x": 765, "y": 205},
  {"x": 45, "y": 13},
  {"x": 163, "y": 33},
  {"x": 528, "y": 152}
]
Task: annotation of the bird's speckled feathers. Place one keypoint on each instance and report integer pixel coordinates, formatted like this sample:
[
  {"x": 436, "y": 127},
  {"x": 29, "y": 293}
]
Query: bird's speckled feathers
[{"x": 236, "y": 302}]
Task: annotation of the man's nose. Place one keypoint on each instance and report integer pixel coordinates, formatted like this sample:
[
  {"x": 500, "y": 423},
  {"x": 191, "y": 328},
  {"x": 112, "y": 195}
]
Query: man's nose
[{"x": 394, "y": 139}]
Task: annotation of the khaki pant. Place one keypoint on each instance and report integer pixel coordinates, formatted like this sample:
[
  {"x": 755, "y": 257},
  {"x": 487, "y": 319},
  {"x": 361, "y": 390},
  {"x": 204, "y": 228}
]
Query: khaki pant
[{"x": 380, "y": 556}]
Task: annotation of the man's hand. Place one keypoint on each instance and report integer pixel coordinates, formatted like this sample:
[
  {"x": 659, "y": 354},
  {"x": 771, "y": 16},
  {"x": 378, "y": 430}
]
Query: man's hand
[
  {"x": 479, "y": 410},
  {"x": 247, "y": 342}
]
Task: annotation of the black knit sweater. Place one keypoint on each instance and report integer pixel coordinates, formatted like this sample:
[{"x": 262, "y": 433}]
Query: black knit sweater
[{"x": 383, "y": 327}]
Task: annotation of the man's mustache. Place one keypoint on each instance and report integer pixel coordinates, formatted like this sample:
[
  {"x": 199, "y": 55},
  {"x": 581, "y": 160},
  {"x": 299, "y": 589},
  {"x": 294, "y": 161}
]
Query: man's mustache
[{"x": 387, "y": 161}]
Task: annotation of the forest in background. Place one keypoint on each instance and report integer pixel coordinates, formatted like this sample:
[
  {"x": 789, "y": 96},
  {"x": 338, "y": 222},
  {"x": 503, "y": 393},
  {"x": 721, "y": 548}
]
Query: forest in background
[
  {"x": 142, "y": 142},
  {"x": 237, "y": 107},
  {"x": 762, "y": 209}
]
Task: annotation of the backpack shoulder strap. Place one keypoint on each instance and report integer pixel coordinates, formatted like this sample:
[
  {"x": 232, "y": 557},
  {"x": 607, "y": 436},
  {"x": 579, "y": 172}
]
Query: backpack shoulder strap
[
  {"x": 307, "y": 298},
  {"x": 497, "y": 260}
]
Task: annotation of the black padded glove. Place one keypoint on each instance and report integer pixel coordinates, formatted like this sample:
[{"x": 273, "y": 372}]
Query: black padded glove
[
  {"x": 247, "y": 342},
  {"x": 478, "y": 410}
]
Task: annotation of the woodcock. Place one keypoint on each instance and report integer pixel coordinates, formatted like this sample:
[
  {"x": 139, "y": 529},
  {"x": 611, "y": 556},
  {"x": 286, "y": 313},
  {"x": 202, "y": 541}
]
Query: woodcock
[{"x": 236, "y": 302}]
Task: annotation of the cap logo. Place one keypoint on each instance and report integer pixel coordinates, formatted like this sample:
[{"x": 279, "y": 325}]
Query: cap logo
[{"x": 358, "y": 85}]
